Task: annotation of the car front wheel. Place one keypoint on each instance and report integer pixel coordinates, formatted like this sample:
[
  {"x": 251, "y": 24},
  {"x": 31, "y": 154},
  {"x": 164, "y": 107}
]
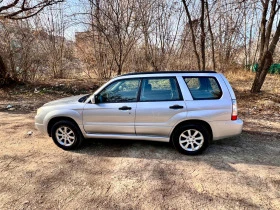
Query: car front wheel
[
  {"x": 191, "y": 139},
  {"x": 66, "y": 135}
]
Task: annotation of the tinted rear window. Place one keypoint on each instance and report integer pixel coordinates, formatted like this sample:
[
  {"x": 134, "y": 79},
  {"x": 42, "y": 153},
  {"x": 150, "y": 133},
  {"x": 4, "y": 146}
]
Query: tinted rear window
[{"x": 203, "y": 87}]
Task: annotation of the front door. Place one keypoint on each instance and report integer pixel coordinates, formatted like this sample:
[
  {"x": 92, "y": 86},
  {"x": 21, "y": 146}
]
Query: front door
[{"x": 114, "y": 110}]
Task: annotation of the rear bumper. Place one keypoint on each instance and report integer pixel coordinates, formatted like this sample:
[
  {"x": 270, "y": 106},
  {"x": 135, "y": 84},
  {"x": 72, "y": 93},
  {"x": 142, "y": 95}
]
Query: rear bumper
[{"x": 225, "y": 129}]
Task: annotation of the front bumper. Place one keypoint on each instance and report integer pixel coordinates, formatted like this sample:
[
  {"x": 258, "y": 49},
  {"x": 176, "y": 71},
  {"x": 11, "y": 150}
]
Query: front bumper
[
  {"x": 225, "y": 129},
  {"x": 40, "y": 127}
]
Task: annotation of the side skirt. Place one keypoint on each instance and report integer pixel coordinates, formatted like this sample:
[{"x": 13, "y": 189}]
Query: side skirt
[{"x": 126, "y": 137}]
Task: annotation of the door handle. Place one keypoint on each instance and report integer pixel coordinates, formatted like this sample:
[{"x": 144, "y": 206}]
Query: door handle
[
  {"x": 176, "y": 107},
  {"x": 125, "y": 108}
]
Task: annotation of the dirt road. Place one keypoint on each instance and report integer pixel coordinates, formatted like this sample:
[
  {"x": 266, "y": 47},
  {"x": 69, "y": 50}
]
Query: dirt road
[{"x": 242, "y": 172}]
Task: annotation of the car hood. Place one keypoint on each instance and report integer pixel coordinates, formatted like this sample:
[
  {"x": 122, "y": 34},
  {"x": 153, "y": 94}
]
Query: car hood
[{"x": 64, "y": 101}]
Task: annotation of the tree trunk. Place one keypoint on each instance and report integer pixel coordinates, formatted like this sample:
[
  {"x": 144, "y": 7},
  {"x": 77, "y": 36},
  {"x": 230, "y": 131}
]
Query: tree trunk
[
  {"x": 119, "y": 69},
  {"x": 265, "y": 62},
  {"x": 5, "y": 78},
  {"x": 262, "y": 28},
  {"x": 261, "y": 73},
  {"x": 211, "y": 36},
  {"x": 146, "y": 49},
  {"x": 202, "y": 35},
  {"x": 3, "y": 70}
]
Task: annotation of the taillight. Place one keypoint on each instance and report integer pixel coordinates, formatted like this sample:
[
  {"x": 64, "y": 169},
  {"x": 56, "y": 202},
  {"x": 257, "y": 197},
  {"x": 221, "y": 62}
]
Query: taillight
[{"x": 234, "y": 110}]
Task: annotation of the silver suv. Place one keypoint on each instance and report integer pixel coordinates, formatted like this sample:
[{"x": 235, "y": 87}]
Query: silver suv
[{"x": 189, "y": 109}]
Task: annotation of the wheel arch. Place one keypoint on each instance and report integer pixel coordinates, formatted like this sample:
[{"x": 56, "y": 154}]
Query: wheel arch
[
  {"x": 194, "y": 122},
  {"x": 57, "y": 119}
]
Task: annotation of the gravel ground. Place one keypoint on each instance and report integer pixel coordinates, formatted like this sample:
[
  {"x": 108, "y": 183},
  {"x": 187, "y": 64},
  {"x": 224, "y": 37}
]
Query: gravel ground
[
  {"x": 235, "y": 173},
  {"x": 241, "y": 172}
]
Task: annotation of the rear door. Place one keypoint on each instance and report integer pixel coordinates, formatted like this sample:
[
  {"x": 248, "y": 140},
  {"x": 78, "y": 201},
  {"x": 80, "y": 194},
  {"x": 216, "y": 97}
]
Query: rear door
[{"x": 160, "y": 106}]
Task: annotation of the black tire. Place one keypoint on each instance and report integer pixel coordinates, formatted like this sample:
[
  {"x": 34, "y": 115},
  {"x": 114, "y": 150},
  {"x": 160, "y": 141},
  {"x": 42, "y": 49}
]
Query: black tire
[
  {"x": 186, "y": 139},
  {"x": 66, "y": 135}
]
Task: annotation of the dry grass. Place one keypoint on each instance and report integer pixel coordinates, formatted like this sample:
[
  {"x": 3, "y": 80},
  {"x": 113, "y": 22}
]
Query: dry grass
[{"x": 242, "y": 80}]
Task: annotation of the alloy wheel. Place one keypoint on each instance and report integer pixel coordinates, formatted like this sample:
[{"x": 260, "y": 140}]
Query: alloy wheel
[
  {"x": 65, "y": 136},
  {"x": 191, "y": 140}
]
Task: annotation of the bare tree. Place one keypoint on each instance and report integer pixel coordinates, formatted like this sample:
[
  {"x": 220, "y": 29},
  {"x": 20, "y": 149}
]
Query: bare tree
[
  {"x": 118, "y": 22},
  {"x": 268, "y": 42},
  {"x": 137, "y": 35},
  {"x": 191, "y": 26},
  {"x": 55, "y": 45},
  {"x": 20, "y": 50},
  {"x": 19, "y": 9},
  {"x": 160, "y": 25}
]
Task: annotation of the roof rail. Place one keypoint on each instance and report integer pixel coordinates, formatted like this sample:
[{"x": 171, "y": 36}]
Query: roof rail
[{"x": 167, "y": 72}]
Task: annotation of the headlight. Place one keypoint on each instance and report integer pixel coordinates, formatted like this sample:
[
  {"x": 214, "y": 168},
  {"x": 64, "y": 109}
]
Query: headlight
[{"x": 39, "y": 110}]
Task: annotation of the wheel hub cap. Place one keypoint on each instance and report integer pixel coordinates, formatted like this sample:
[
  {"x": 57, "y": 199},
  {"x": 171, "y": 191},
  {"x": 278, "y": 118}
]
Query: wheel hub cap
[
  {"x": 65, "y": 136},
  {"x": 191, "y": 140}
]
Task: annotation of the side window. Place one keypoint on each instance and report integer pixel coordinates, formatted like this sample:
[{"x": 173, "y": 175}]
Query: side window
[
  {"x": 192, "y": 82},
  {"x": 120, "y": 91},
  {"x": 159, "y": 89},
  {"x": 203, "y": 87}
]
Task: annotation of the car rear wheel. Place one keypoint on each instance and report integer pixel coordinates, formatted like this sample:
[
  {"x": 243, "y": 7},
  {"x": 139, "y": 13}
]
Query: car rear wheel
[
  {"x": 66, "y": 135},
  {"x": 191, "y": 139}
]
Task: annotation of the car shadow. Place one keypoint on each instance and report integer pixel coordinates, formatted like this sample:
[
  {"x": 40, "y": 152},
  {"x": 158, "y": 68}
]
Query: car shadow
[{"x": 248, "y": 148}]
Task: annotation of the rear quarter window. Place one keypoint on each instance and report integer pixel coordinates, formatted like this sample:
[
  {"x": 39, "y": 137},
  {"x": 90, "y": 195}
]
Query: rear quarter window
[{"x": 203, "y": 88}]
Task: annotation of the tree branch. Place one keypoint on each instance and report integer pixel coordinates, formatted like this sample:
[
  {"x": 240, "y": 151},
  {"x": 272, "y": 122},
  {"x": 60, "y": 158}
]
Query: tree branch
[{"x": 22, "y": 9}]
